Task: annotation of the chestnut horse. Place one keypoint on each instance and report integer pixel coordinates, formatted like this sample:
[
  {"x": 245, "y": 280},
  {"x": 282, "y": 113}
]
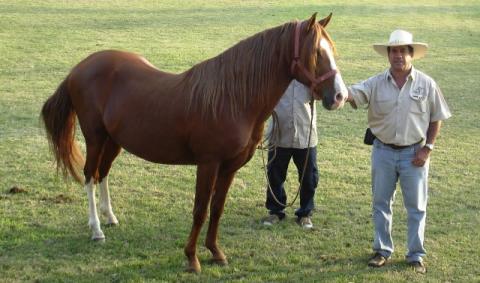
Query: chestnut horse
[{"x": 212, "y": 115}]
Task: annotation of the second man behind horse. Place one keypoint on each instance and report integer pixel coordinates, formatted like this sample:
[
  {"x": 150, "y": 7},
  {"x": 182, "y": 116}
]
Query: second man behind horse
[{"x": 289, "y": 139}]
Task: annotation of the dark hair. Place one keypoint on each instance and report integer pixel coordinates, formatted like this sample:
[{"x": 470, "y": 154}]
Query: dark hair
[{"x": 410, "y": 49}]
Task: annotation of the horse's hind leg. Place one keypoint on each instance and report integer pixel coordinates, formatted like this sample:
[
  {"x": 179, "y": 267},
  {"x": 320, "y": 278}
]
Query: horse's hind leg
[
  {"x": 217, "y": 204},
  {"x": 94, "y": 151},
  {"x": 110, "y": 152}
]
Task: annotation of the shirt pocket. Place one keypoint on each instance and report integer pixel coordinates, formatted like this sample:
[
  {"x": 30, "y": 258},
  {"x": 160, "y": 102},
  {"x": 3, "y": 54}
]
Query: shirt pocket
[
  {"x": 384, "y": 105},
  {"x": 418, "y": 106}
]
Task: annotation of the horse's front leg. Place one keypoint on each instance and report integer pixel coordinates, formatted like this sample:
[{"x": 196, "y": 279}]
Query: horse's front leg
[
  {"x": 224, "y": 180},
  {"x": 206, "y": 177}
]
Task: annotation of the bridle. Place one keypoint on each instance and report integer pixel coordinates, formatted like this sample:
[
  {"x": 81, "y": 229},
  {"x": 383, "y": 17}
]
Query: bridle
[{"x": 314, "y": 81}]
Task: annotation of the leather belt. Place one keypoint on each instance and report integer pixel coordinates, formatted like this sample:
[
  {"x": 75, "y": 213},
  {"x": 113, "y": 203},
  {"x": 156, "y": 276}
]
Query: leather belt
[{"x": 398, "y": 147}]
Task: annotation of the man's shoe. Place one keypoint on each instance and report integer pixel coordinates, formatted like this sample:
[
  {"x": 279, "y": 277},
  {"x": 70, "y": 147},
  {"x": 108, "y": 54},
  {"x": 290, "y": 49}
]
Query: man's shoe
[
  {"x": 418, "y": 267},
  {"x": 271, "y": 220},
  {"x": 377, "y": 260},
  {"x": 305, "y": 222}
]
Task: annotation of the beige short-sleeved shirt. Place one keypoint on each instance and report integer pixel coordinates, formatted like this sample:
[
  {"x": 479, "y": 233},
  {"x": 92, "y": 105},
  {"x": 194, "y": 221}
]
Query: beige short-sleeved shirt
[
  {"x": 401, "y": 116},
  {"x": 293, "y": 111}
]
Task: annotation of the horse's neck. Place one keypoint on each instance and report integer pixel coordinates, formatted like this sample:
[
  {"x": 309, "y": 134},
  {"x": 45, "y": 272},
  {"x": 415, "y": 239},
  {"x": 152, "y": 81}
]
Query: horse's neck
[
  {"x": 273, "y": 96},
  {"x": 256, "y": 94},
  {"x": 281, "y": 79}
]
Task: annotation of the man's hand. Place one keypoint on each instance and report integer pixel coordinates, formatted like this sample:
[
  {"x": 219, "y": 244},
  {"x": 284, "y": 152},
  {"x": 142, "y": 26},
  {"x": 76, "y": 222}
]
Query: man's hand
[
  {"x": 351, "y": 101},
  {"x": 421, "y": 157},
  {"x": 423, "y": 154}
]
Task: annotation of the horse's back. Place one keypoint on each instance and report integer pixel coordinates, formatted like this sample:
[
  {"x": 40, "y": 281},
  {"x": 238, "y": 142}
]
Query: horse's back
[
  {"x": 110, "y": 64},
  {"x": 139, "y": 106}
]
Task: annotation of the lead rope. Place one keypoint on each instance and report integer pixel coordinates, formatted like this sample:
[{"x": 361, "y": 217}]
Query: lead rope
[{"x": 276, "y": 132}]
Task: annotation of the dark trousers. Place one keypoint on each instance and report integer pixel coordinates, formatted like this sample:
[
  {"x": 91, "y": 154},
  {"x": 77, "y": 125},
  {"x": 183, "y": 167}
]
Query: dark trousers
[{"x": 277, "y": 174}]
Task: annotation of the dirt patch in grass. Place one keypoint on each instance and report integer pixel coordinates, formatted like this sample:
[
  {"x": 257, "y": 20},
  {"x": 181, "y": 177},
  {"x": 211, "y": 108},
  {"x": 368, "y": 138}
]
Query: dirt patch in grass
[
  {"x": 61, "y": 198},
  {"x": 16, "y": 190}
]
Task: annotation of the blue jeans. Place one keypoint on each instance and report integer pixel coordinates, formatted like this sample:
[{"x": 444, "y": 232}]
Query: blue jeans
[
  {"x": 277, "y": 174},
  {"x": 388, "y": 166}
]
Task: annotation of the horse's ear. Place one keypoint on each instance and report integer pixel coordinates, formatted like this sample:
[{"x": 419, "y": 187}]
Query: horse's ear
[
  {"x": 324, "y": 22},
  {"x": 311, "y": 21}
]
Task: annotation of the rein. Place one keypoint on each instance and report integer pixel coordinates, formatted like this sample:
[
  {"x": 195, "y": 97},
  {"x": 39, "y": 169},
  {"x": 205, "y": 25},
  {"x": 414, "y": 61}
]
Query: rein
[{"x": 314, "y": 81}]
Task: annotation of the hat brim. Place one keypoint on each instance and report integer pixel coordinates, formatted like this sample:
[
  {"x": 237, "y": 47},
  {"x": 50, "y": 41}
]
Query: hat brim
[{"x": 419, "y": 49}]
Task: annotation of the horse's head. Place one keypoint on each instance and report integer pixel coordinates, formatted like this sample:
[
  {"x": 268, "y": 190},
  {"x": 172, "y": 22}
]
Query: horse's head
[{"x": 314, "y": 64}]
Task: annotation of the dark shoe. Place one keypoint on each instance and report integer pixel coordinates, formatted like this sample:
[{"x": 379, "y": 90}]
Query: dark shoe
[
  {"x": 377, "y": 260},
  {"x": 418, "y": 267},
  {"x": 271, "y": 220}
]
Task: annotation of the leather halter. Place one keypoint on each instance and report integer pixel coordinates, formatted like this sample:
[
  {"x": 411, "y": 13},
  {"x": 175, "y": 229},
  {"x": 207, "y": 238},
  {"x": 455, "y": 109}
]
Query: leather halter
[{"x": 296, "y": 63}]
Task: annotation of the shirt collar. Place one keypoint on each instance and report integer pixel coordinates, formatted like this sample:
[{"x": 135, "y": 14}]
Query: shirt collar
[{"x": 412, "y": 75}]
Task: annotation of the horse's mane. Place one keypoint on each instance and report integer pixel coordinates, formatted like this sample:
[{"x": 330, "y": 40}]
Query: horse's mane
[{"x": 243, "y": 73}]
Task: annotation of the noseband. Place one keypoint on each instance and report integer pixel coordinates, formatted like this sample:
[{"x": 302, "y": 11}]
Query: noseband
[{"x": 314, "y": 81}]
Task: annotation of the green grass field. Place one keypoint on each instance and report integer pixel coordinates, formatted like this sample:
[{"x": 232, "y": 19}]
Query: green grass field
[{"x": 43, "y": 231}]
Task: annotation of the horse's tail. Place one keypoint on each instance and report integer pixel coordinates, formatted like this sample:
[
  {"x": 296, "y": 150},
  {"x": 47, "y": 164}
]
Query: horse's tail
[{"x": 59, "y": 118}]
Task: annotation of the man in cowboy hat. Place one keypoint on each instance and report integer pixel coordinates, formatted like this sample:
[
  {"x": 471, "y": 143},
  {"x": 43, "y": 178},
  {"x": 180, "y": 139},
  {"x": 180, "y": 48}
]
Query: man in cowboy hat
[{"x": 405, "y": 110}]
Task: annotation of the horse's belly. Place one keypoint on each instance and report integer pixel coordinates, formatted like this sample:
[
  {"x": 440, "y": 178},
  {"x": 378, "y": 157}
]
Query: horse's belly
[
  {"x": 165, "y": 149},
  {"x": 164, "y": 155}
]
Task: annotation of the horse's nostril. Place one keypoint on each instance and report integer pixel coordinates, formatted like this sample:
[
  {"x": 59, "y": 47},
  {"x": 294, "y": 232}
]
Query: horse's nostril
[{"x": 338, "y": 97}]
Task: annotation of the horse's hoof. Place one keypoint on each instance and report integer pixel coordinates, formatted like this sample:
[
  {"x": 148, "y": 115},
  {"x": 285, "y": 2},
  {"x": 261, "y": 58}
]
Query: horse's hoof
[
  {"x": 219, "y": 261},
  {"x": 193, "y": 269},
  {"x": 111, "y": 220},
  {"x": 98, "y": 239},
  {"x": 111, "y": 224}
]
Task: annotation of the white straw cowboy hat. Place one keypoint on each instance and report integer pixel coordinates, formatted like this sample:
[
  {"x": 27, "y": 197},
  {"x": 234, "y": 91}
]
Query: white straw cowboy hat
[{"x": 400, "y": 38}]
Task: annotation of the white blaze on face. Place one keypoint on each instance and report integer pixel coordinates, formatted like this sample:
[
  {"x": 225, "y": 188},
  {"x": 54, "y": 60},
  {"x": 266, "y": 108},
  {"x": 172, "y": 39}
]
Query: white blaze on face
[{"x": 338, "y": 84}]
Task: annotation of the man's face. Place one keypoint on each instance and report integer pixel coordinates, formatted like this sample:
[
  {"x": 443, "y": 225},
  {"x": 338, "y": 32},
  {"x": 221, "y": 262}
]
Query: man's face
[{"x": 400, "y": 58}]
